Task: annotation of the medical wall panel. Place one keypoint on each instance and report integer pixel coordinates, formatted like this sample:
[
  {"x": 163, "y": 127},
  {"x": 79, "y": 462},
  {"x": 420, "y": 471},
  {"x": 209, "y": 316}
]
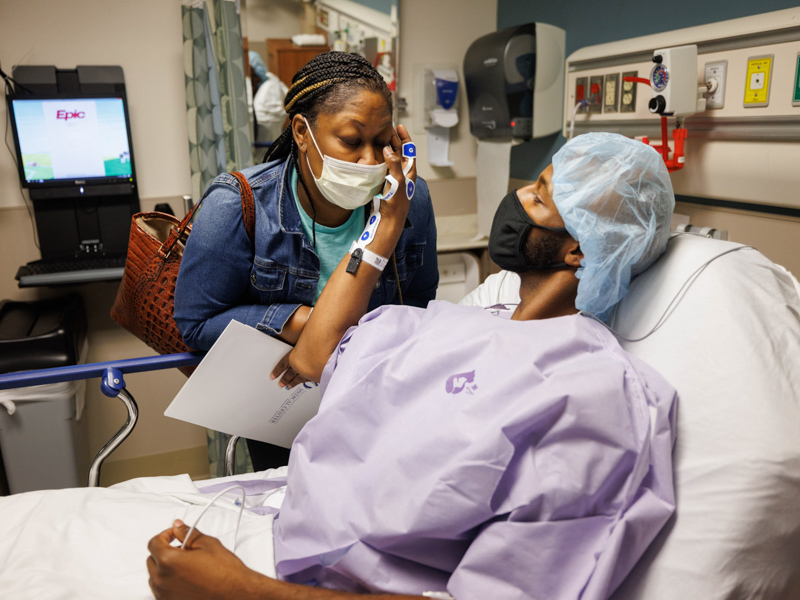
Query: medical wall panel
[{"x": 740, "y": 148}]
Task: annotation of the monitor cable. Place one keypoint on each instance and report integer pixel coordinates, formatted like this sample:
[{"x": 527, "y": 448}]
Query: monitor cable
[{"x": 676, "y": 299}]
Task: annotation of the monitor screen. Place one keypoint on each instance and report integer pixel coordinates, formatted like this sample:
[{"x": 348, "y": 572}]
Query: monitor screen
[{"x": 72, "y": 140}]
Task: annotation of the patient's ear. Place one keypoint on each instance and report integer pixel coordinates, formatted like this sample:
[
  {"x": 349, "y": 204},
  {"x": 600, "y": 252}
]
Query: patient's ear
[{"x": 574, "y": 255}]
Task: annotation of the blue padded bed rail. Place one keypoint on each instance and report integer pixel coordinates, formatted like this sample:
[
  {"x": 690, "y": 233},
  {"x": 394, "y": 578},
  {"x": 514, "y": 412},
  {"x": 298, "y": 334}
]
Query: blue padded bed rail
[{"x": 112, "y": 383}]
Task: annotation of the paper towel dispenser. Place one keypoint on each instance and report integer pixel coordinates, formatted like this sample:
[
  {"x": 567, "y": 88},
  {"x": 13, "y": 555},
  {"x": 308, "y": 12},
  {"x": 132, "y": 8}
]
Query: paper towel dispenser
[{"x": 515, "y": 82}]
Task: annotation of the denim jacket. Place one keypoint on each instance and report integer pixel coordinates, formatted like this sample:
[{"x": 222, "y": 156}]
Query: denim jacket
[{"x": 223, "y": 278}]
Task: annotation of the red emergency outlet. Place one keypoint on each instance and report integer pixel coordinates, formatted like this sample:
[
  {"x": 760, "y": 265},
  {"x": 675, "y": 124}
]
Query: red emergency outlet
[
  {"x": 595, "y": 88},
  {"x": 580, "y": 92}
]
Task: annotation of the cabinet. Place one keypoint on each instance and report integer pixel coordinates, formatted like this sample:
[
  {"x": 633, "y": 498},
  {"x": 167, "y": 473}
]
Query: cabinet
[{"x": 284, "y": 59}]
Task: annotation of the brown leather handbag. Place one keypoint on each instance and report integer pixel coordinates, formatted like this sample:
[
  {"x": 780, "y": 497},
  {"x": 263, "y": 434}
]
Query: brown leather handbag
[{"x": 145, "y": 301}]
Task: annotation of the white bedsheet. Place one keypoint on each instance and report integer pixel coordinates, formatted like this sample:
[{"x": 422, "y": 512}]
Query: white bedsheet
[{"x": 92, "y": 544}]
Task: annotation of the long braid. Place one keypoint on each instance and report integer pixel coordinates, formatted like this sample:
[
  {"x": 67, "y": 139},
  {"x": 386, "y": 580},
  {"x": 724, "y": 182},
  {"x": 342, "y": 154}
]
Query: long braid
[{"x": 324, "y": 84}]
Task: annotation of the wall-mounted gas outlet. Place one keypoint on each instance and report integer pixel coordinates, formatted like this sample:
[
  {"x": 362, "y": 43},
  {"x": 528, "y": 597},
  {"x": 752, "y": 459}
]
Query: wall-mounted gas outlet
[
  {"x": 582, "y": 92},
  {"x": 714, "y": 77}
]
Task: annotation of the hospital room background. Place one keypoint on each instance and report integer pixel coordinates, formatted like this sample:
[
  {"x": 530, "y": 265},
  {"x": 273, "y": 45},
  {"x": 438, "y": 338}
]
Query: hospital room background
[{"x": 750, "y": 191}]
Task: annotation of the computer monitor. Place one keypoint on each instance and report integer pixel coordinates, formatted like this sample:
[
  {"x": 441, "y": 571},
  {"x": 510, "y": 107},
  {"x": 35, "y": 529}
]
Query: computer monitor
[{"x": 70, "y": 146}]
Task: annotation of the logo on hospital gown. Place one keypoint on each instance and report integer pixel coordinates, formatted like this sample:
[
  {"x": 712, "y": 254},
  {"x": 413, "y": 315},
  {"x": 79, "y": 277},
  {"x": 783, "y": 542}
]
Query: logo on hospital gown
[{"x": 461, "y": 382}]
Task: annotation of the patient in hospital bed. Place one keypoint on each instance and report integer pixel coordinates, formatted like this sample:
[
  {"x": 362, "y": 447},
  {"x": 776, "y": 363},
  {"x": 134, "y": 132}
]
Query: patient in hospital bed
[
  {"x": 514, "y": 452},
  {"x": 471, "y": 452}
]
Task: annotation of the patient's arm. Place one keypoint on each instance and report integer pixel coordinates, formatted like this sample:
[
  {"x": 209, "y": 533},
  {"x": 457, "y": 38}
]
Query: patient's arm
[
  {"x": 208, "y": 571},
  {"x": 345, "y": 298}
]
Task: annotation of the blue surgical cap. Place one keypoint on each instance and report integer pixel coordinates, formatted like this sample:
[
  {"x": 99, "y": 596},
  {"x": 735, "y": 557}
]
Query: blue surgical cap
[
  {"x": 258, "y": 65},
  {"x": 615, "y": 197}
]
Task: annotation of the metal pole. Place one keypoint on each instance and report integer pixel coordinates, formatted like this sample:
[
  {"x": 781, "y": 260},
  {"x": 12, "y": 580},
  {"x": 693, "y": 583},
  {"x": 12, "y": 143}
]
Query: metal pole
[
  {"x": 119, "y": 437},
  {"x": 230, "y": 455}
]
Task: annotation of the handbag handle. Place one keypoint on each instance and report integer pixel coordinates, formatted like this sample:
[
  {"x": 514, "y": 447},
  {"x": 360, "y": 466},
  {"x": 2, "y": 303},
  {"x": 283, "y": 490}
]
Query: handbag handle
[
  {"x": 248, "y": 216},
  {"x": 248, "y": 207}
]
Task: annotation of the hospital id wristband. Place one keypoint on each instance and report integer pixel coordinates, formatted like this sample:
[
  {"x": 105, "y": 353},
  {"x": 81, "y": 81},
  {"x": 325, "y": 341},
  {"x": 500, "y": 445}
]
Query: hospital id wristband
[
  {"x": 375, "y": 260},
  {"x": 359, "y": 254}
]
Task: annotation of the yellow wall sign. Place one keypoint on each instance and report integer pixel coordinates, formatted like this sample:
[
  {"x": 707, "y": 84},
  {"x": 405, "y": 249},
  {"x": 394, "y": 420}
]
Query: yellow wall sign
[{"x": 756, "y": 85}]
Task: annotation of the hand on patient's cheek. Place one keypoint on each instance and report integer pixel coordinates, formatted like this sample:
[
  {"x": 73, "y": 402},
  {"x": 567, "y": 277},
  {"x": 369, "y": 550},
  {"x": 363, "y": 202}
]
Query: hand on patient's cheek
[{"x": 205, "y": 570}]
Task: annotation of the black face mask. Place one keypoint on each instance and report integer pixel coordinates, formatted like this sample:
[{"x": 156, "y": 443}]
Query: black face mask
[{"x": 509, "y": 236}]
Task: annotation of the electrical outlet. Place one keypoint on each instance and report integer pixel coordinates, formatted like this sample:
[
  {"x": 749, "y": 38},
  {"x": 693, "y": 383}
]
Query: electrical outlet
[
  {"x": 611, "y": 93},
  {"x": 594, "y": 97},
  {"x": 628, "y": 97},
  {"x": 716, "y": 70}
]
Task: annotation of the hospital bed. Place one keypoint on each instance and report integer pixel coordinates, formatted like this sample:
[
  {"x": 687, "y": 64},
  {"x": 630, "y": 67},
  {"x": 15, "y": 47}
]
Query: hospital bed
[{"x": 725, "y": 333}]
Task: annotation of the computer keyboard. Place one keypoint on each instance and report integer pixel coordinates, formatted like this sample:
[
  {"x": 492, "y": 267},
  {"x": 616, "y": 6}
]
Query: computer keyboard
[{"x": 105, "y": 268}]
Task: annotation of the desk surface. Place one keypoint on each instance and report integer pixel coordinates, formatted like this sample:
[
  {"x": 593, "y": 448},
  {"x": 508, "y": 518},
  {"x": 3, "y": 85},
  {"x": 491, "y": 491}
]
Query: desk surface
[{"x": 459, "y": 232}]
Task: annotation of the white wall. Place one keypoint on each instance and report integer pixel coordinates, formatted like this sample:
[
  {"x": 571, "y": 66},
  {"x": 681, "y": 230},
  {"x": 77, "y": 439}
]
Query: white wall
[
  {"x": 272, "y": 19},
  {"x": 439, "y": 33},
  {"x": 144, "y": 37}
]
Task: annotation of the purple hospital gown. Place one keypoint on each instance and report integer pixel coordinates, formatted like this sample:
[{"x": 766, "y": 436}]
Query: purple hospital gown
[{"x": 494, "y": 459}]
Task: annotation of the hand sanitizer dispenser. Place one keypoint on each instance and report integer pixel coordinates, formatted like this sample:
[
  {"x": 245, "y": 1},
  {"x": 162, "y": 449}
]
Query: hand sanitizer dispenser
[
  {"x": 515, "y": 82},
  {"x": 440, "y": 90}
]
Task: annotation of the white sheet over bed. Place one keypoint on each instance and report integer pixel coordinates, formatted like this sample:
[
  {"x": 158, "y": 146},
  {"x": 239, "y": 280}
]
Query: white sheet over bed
[{"x": 92, "y": 544}]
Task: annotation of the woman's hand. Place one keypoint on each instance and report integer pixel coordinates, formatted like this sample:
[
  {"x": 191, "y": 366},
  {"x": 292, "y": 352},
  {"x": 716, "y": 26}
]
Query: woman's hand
[
  {"x": 288, "y": 376},
  {"x": 398, "y": 205}
]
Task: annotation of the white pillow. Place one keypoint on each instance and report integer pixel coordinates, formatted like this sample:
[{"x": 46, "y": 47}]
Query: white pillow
[{"x": 731, "y": 347}]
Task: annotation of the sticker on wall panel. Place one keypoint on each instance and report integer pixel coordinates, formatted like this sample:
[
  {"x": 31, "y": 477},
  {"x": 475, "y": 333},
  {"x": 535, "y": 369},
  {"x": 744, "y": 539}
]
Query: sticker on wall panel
[
  {"x": 757, "y": 81},
  {"x": 796, "y": 93},
  {"x": 628, "y": 97}
]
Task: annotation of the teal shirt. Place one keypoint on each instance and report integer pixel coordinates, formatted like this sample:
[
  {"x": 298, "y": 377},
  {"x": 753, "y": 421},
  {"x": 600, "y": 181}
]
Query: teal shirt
[{"x": 332, "y": 242}]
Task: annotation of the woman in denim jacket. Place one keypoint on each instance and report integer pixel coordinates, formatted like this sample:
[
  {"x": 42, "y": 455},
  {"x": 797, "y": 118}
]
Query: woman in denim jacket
[{"x": 307, "y": 213}]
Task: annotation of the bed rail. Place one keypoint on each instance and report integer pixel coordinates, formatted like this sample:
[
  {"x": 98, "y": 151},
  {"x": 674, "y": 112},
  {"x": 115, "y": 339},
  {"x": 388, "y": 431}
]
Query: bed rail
[{"x": 112, "y": 384}]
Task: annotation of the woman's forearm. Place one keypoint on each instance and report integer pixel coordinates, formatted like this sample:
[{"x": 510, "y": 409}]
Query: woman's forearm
[
  {"x": 342, "y": 303},
  {"x": 346, "y": 295}
]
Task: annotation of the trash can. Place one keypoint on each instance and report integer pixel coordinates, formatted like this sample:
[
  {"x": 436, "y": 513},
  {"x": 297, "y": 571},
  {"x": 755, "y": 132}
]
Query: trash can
[{"x": 43, "y": 441}]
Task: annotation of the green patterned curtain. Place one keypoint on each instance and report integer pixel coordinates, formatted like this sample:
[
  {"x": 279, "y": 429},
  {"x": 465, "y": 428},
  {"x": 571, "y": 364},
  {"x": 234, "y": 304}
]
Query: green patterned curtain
[
  {"x": 219, "y": 127},
  {"x": 216, "y": 96}
]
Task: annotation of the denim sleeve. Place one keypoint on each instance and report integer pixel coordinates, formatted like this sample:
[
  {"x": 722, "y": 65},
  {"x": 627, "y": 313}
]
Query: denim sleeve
[
  {"x": 421, "y": 288},
  {"x": 214, "y": 277}
]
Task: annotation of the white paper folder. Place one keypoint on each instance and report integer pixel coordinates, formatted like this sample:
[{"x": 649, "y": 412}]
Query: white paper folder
[{"x": 230, "y": 391}]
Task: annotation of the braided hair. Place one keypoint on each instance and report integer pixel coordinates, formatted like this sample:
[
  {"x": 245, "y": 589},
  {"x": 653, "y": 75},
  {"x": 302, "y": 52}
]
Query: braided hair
[{"x": 324, "y": 85}]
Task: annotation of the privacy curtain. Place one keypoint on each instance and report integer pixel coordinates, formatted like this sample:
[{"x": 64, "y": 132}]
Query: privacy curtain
[
  {"x": 216, "y": 96},
  {"x": 219, "y": 126}
]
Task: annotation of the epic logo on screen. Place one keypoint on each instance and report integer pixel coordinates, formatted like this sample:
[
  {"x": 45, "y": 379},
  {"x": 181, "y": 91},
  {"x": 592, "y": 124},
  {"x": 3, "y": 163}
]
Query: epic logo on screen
[{"x": 67, "y": 115}]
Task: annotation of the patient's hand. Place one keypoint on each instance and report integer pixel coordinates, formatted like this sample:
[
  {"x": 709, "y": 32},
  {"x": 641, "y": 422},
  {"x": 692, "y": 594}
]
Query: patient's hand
[{"x": 204, "y": 570}]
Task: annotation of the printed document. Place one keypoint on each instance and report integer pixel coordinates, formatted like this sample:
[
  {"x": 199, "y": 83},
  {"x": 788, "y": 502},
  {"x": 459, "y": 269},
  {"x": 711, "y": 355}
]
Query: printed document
[{"x": 230, "y": 391}]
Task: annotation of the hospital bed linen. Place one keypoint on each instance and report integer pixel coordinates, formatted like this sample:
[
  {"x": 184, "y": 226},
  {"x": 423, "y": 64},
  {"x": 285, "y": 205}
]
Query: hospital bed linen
[
  {"x": 92, "y": 543},
  {"x": 730, "y": 347},
  {"x": 459, "y": 451}
]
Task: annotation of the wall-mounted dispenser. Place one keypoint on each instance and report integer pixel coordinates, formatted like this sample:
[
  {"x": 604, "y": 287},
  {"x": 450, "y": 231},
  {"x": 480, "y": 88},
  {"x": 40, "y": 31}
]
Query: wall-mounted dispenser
[
  {"x": 440, "y": 99},
  {"x": 515, "y": 89},
  {"x": 515, "y": 82}
]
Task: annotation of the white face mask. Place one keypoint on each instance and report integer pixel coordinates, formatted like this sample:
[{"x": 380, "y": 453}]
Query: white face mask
[{"x": 346, "y": 184}]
